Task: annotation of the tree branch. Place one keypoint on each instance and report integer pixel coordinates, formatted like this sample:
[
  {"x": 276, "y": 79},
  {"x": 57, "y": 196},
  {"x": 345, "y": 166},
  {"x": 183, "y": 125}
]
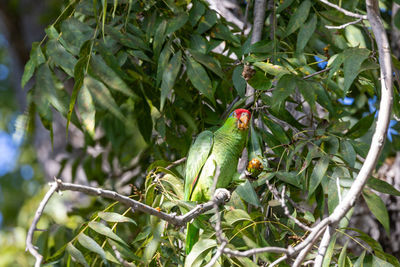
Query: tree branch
[
  {"x": 220, "y": 197},
  {"x": 259, "y": 17},
  {"x": 344, "y": 11},
  {"x": 29, "y": 238},
  {"x": 344, "y": 25}
]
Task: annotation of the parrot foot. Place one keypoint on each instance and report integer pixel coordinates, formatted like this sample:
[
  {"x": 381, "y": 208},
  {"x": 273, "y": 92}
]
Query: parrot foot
[{"x": 222, "y": 195}]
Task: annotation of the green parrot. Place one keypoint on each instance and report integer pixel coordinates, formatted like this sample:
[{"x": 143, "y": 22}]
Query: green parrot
[{"x": 221, "y": 148}]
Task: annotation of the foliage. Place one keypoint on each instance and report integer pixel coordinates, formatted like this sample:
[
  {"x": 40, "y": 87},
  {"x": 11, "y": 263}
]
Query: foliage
[{"x": 148, "y": 75}]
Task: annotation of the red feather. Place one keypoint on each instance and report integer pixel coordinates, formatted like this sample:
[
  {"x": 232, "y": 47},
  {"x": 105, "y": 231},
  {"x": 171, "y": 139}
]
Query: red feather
[{"x": 238, "y": 112}]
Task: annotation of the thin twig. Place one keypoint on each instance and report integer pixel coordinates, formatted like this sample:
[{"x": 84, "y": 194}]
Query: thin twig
[
  {"x": 316, "y": 73},
  {"x": 176, "y": 162},
  {"x": 29, "y": 238},
  {"x": 344, "y": 11},
  {"x": 344, "y": 25},
  {"x": 284, "y": 206}
]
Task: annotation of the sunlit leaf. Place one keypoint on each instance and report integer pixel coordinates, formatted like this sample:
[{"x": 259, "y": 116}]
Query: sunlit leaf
[
  {"x": 76, "y": 254},
  {"x": 114, "y": 217},
  {"x": 106, "y": 231},
  {"x": 91, "y": 245},
  {"x": 199, "y": 250}
]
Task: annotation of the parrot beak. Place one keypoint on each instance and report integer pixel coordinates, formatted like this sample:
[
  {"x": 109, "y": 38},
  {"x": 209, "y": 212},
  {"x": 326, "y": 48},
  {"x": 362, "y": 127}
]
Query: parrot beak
[{"x": 243, "y": 122}]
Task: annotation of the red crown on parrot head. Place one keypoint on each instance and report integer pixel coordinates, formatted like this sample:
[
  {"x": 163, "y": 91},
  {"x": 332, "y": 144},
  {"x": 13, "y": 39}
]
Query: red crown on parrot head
[
  {"x": 243, "y": 118},
  {"x": 238, "y": 112}
]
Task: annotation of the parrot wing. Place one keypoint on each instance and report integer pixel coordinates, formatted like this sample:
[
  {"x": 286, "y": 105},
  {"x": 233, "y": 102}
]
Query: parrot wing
[{"x": 198, "y": 154}]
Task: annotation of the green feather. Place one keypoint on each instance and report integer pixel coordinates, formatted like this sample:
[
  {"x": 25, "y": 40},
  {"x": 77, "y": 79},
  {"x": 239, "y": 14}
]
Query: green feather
[{"x": 204, "y": 156}]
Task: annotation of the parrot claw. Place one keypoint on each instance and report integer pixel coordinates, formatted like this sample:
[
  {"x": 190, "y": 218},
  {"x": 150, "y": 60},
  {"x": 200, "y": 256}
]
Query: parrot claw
[{"x": 222, "y": 194}]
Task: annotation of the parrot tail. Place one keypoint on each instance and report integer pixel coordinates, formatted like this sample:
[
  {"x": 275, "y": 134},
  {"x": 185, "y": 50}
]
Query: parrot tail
[{"x": 192, "y": 236}]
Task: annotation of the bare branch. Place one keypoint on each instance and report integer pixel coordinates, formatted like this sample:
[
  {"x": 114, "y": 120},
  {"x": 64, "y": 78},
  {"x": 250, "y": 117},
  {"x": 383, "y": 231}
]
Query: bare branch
[
  {"x": 284, "y": 257},
  {"x": 29, "y": 238},
  {"x": 176, "y": 162},
  {"x": 284, "y": 206},
  {"x": 344, "y": 25},
  {"x": 250, "y": 252},
  {"x": 379, "y": 136},
  {"x": 316, "y": 73},
  {"x": 323, "y": 247},
  {"x": 220, "y": 197},
  {"x": 259, "y": 17},
  {"x": 344, "y": 11}
]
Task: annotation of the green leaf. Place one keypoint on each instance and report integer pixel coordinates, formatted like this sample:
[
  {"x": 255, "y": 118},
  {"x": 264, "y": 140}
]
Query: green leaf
[
  {"x": 196, "y": 12},
  {"x": 284, "y": 88},
  {"x": 176, "y": 23},
  {"x": 163, "y": 61},
  {"x": 283, "y": 6},
  {"x": 247, "y": 193},
  {"x": 342, "y": 256},
  {"x": 359, "y": 262},
  {"x": 169, "y": 76},
  {"x": 206, "y": 22},
  {"x": 139, "y": 54},
  {"x": 75, "y": 33},
  {"x": 53, "y": 91},
  {"x": 154, "y": 243},
  {"x": 91, "y": 245},
  {"x": 57, "y": 53},
  {"x": 222, "y": 32},
  {"x": 237, "y": 215},
  {"x": 209, "y": 62},
  {"x": 36, "y": 58},
  {"x": 76, "y": 254},
  {"x": 377, "y": 262},
  {"x": 198, "y": 43},
  {"x": 307, "y": 92},
  {"x": 263, "y": 46},
  {"x": 378, "y": 208},
  {"x": 396, "y": 19},
  {"x": 87, "y": 110},
  {"x": 382, "y": 186},
  {"x": 79, "y": 74},
  {"x": 106, "y": 231},
  {"x": 306, "y": 31},
  {"x": 347, "y": 152},
  {"x": 143, "y": 117},
  {"x": 109, "y": 76},
  {"x": 272, "y": 69},
  {"x": 125, "y": 251},
  {"x": 159, "y": 37},
  {"x": 361, "y": 127},
  {"x": 102, "y": 96},
  {"x": 199, "y": 250},
  {"x": 318, "y": 173},
  {"x": 199, "y": 78},
  {"x": 354, "y": 57},
  {"x": 127, "y": 39},
  {"x": 114, "y": 217},
  {"x": 260, "y": 82},
  {"x": 238, "y": 81},
  {"x": 290, "y": 177},
  {"x": 298, "y": 18},
  {"x": 276, "y": 130}
]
